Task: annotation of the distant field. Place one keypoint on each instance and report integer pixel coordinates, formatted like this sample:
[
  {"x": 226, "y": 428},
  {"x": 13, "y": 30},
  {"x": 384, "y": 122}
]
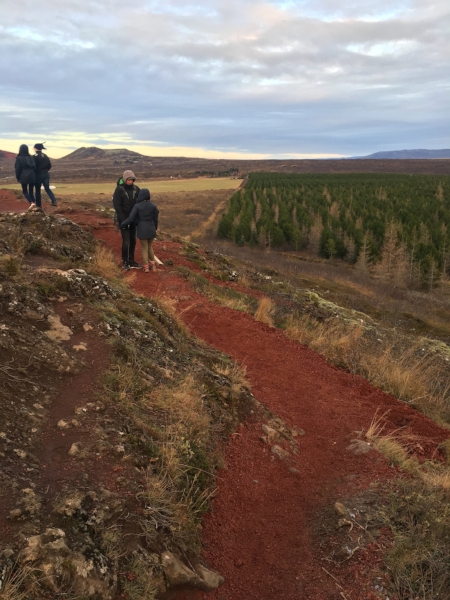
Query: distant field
[{"x": 169, "y": 185}]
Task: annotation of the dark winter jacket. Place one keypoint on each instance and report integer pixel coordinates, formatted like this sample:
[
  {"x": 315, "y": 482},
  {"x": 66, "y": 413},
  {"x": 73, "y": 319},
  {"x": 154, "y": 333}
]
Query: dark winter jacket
[
  {"x": 145, "y": 214},
  {"x": 43, "y": 165},
  {"x": 124, "y": 199},
  {"x": 25, "y": 166}
]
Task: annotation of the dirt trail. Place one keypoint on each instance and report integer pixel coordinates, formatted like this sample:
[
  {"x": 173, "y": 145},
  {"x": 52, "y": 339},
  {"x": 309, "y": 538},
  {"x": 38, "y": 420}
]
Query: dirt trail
[{"x": 261, "y": 532}]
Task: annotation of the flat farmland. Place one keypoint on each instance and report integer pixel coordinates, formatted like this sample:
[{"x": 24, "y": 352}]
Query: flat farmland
[
  {"x": 167, "y": 185},
  {"x": 191, "y": 214}
]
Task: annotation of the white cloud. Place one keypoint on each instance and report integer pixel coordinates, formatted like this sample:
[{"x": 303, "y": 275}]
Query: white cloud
[{"x": 264, "y": 76}]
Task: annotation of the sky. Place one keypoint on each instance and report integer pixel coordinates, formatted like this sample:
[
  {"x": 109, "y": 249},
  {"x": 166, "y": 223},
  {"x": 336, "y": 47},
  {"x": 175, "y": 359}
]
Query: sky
[{"x": 226, "y": 78}]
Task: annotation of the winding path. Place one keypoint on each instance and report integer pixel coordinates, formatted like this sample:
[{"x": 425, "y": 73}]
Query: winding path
[{"x": 262, "y": 532}]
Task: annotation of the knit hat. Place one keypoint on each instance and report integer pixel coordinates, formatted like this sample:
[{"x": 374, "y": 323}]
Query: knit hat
[
  {"x": 40, "y": 147},
  {"x": 128, "y": 175}
]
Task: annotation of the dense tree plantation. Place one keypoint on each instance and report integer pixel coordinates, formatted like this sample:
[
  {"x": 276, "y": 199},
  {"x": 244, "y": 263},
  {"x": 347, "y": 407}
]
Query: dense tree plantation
[{"x": 395, "y": 226}]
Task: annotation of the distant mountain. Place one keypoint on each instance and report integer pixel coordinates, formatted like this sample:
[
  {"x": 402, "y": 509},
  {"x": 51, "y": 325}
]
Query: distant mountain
[
  {"x": 5, "y": 154},
  {"x": 97, "y": 153},
  {"x": 402, "y": 154}
]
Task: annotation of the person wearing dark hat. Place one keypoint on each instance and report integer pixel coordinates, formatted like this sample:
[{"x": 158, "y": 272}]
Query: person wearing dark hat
[
  {"x": 26, "y": 173},
  {"x": 124, "y": 199},
  {"x": 145, "y": 215},
  {"x": 43, "y": 166}
]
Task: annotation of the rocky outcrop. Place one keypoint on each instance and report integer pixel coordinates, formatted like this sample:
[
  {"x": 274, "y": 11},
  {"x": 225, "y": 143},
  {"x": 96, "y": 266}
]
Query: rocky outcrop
[{"x": 87, "y": 572}]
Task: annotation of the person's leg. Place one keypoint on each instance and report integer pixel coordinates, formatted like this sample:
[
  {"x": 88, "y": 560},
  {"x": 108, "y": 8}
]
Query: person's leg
[
  {"x": 152, "y": 255},
  {"x": 132, "y": 243},
  {"x": 46, "y": 184},
  {"x": 26, "y": 194},
  {"x": 144, "y": 247},
  {"x": 125, "y": 245},
  {"x": 150, "y": 250},
  {"x": 31, "y": 192},
  {"x": 37, "y": 188}
]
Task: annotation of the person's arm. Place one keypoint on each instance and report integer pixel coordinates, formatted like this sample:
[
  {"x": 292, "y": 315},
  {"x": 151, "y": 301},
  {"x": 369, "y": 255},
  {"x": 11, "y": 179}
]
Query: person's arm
[
  {"x": 155, "y": 218},
  {"x": 131, "y": 219},
  {"x": 117, "y": 203},
  {"x": 18, "y": 168},
  {"x": 49, "y": 164}
]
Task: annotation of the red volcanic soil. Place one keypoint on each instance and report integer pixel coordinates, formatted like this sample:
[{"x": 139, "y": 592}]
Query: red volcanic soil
[
  {"x": 262, "y": 533},
  {"x": 6, "y": 154},
  {"x": 258, "y": 534}
]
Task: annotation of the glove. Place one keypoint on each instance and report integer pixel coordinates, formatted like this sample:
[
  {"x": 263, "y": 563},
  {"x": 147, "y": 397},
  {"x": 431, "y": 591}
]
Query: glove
[{"x": 124, "y": 227}]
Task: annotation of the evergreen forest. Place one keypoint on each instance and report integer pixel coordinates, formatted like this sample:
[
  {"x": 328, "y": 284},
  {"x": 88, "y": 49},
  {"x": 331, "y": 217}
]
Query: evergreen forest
[{"x": 394, "y": 226}]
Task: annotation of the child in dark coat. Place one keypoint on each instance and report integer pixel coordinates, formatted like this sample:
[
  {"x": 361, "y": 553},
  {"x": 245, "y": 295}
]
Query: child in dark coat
[{"x": 145, "y": 215}]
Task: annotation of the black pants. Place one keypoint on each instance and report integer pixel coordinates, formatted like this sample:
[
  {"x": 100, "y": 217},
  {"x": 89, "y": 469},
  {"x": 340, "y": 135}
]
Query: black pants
[
  {"x": 45, "y": 181},
  {"x": 128, "y": 243},
  {"x": 27, "y": 190}
]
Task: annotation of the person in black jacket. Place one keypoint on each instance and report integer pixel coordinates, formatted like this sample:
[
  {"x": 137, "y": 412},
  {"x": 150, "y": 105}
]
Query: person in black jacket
[
  {"x": 145, "y": 214},
  {"x": 124, "y": 199},
  {"x": 26, "y": 173},
  {"x": 43, "y": 166}
]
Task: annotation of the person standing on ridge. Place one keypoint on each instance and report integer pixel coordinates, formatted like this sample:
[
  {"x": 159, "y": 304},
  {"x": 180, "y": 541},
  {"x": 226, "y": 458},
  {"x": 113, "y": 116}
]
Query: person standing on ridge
[
  {"x": 43, "y": 166},
  {"x": 124, "y": 199},
  {"x": 25, "y": 168},
  {"x": 145, "y": 214}
]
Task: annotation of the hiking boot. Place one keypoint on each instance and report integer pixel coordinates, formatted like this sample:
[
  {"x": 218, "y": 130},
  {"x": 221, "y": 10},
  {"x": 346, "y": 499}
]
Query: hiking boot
[
  {"x": 134, "y": 265},
  {"x": 152, "y": 265},
  {"x": 145, "y": 268},
  {"x": 125, "y": 266},
  {"x": 32, "y": 206}
]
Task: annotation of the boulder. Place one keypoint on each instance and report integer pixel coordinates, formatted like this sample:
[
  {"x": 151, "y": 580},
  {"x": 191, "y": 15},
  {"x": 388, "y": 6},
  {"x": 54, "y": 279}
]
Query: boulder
[
  {"x": 177, "y": 573},
  {"x": 209, "y": 580}
]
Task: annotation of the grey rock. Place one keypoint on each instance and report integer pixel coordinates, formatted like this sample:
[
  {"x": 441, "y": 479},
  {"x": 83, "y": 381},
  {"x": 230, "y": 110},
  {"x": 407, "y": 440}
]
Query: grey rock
[
  {"x": 280, "y": 452},
  {"x": 358, "y": 447},
  {"x": 175, "y": 571},
  {"x": 209, "y": 580},
  {"x": 86, "y": 573}
]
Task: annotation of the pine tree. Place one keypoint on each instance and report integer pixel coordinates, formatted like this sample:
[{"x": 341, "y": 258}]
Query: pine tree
[
  {"x": 440, "y": 193},
  {"x": 363, "y": 262},
  {"x": 393, "y": 266},
  {"x": 315, "y": 234}
]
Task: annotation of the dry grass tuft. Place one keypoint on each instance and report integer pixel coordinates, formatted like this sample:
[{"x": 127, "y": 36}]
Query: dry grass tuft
[
  {"x": 142, "y": 585},
  {"x": 237, "y": 374},
  {"x": 418, "y": 514},
  {"x": 18, "y": 584},
  {"x": 169, "y": 306},
  {"x": 104, "y": 264},
  {"x": 184, "y": 404},
  {"x": 406, "y": 372},
  {"x": 264, "y": 311}
]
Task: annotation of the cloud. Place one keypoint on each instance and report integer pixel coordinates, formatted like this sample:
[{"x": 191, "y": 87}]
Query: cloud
[{"x": 277, "y": 78}]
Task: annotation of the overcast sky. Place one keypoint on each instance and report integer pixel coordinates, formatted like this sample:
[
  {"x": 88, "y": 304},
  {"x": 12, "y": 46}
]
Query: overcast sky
[{"x": 242, "y": 78}]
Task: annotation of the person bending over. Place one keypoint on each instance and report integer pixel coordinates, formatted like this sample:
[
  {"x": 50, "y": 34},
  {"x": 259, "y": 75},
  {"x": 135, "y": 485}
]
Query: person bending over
[
  {"x": 43, "y": 166},
  {"x": 124, "y": 199},
  {"x": 26, "y": 173},
  {"x": 145, "y": 214}
]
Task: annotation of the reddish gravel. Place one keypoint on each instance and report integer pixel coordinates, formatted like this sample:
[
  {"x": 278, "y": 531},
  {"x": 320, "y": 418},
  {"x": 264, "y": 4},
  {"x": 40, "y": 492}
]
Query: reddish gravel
[
  {"x": 261, "y": 533},
  {"x": 258, "y": 534}
]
